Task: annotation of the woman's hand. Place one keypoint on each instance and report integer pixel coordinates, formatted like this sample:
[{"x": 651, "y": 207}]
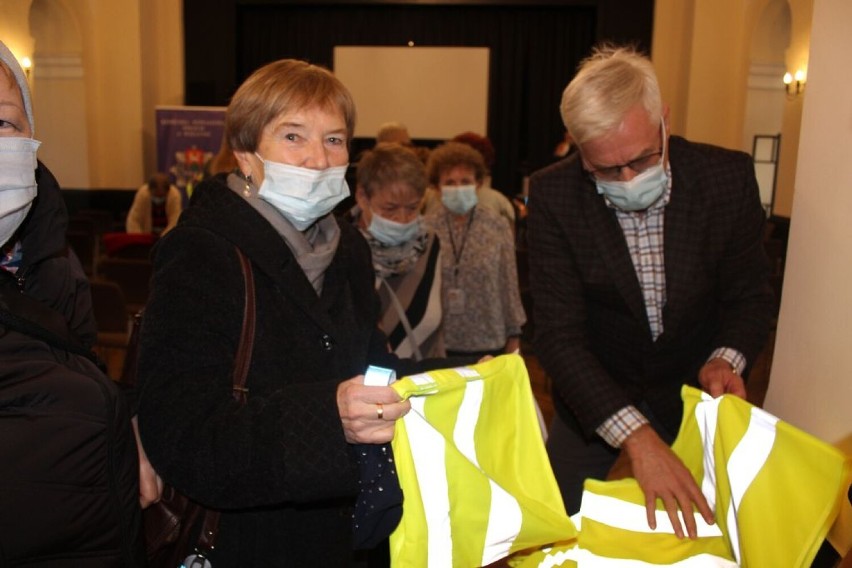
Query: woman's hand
[
  {"x": 513, "y": 344},
  {"x": 368, "y": 413},
  {"x": 150, "y": 484}
]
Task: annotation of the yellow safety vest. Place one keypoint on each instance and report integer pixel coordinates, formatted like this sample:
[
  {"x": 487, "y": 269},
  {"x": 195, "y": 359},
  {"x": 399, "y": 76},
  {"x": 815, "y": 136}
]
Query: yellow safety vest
[
  {"x": 775, "y": 491},
  {"x": 474, "y": 473}
]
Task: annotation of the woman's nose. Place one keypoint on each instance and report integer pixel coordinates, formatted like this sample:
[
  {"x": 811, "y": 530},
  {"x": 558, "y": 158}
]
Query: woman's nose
[{"x": 316, "y": 157}]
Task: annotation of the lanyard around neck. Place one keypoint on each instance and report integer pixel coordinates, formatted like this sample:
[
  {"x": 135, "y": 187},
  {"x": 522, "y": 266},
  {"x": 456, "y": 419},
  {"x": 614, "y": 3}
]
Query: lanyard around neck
[{"x": 457, "y": 252}]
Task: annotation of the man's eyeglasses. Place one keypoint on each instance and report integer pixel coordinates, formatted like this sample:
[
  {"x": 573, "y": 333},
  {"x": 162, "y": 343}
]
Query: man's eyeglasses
[{"x": 639, "y": 165}]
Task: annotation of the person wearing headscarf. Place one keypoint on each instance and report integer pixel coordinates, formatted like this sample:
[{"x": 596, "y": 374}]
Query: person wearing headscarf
[
  {"x": 33, "y": 246},
  {"x": 69, "y": 486}
]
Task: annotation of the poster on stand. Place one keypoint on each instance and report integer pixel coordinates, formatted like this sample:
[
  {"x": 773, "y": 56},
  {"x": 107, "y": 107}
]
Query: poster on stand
[{"x": 187, "y": 139}]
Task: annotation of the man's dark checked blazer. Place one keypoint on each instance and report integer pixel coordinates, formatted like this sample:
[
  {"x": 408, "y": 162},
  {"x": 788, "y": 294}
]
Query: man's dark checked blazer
[{"x": 592, "y": 332}]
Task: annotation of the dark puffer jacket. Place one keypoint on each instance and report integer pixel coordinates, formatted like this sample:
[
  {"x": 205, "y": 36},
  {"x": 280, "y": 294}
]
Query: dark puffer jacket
[
  {"x": 50, "y": 272},
  {"x": 68, "y": 461}
]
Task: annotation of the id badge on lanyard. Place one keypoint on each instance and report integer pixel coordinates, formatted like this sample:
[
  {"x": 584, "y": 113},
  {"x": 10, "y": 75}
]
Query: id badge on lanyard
[{"x": 455, "y": 295}]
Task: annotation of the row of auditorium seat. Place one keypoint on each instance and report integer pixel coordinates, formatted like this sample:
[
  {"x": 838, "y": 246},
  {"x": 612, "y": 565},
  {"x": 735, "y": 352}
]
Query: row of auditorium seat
[{"x": 119, "y": 270}]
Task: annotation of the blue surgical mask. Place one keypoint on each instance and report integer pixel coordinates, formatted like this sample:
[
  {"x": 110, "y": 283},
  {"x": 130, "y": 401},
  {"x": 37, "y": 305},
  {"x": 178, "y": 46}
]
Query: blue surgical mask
[
  {"x": 302, "y": 195},
  {"x": 391, "y": 233},
  {"x": 17, "y": 183},
  {"x": 459, "y": 198},
  {"x": 640, "y": 192}
]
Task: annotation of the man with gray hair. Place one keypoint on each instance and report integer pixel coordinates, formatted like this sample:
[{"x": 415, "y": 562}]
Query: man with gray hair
[{"x": 647, "y": 272}]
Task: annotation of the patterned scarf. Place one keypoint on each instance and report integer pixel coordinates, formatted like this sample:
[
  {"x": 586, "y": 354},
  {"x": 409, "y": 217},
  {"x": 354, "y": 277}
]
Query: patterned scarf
[{"x": 393, "y": 260}]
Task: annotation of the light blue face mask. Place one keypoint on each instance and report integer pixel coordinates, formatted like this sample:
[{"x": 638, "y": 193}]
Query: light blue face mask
[
  {"x": 392, "y": 233},
  {"x": 302, "y": 195},
  {"x": 459, "y": 198},
  {"x": 640, "y": 192}
]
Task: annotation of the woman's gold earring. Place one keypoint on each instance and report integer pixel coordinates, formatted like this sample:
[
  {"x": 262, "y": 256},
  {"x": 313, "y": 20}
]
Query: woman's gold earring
[{"x": 247, "y": 190}]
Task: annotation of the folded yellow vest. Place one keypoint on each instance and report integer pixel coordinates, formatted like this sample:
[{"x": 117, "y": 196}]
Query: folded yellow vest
[{"x": 775, "y": 491}]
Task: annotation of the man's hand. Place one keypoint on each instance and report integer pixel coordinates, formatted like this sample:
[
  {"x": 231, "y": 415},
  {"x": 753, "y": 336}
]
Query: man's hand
[
  {"x": 717, "y": 377},
  {"x": 662, "y": 475}
]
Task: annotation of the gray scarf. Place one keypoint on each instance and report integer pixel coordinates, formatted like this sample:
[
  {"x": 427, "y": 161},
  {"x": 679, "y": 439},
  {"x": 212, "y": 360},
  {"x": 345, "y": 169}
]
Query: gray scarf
[{"x": 314, "y": 249}]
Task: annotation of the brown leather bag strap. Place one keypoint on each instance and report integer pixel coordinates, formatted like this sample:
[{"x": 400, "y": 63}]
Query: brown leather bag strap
[
  {"x": 243, "y": 359},
  {"x": 210, "y": 528}
]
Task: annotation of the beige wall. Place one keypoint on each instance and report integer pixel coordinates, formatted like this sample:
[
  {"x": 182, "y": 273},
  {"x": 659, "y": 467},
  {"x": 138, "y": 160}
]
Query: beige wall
[
  {"x": 114, "y": 84},
  {"x": 671, "y": 51},
  {"x": 701, "y": 49},
  {"x": 797, "y": 57},
  {"x": 14, "y": 27},
  {"x": 810, "y": 384},
  {"x": 162, "y": 67},
  {"x": 95, "y": 115}
]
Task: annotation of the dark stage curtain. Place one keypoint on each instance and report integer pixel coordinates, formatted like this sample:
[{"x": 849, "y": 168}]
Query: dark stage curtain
[{"x": 534, "y": 52}]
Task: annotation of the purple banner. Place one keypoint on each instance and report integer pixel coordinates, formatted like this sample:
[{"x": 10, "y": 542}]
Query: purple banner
[{"x": 187, "y": 138}]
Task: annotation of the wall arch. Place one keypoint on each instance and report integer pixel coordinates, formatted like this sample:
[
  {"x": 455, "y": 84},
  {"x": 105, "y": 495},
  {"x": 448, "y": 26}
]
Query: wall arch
[
  {"x": 59, "y": 91},
  {"x": 765, "y": 93}
]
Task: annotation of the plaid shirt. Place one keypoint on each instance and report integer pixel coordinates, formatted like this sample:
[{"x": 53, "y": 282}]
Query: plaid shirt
[{"x": 643, "y": 231}]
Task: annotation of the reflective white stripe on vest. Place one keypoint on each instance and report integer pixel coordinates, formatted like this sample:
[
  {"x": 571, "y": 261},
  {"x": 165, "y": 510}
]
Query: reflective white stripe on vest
[
  {"x": 707, "y": 419},
  {"x": 427, "y": 451},
  {"x": 504, "y": 516},
  {"x": 629, "y": 516},
  {"x": 745, "y": 462}
]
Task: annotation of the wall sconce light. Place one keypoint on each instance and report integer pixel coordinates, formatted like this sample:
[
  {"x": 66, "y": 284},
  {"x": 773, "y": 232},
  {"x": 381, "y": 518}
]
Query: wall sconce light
[
  {"x": 27, "y": 64},
  {"x": 794, "y": 84}
]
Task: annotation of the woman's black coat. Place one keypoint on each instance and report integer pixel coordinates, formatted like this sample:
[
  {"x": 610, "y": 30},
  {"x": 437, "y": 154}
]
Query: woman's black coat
[{"x": 279, "y": 466}]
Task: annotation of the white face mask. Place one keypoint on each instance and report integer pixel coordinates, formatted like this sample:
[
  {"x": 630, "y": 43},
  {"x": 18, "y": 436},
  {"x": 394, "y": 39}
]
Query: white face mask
[
  {"x": 302, "y": 195},
  {"x": 17, "y": 183}
]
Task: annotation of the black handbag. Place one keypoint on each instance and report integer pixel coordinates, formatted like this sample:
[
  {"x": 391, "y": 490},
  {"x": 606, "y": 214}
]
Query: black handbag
[{"x": 171, "y": 523}]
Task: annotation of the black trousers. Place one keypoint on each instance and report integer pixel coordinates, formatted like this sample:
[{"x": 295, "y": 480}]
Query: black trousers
[{"x": 573, "y": 459}]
